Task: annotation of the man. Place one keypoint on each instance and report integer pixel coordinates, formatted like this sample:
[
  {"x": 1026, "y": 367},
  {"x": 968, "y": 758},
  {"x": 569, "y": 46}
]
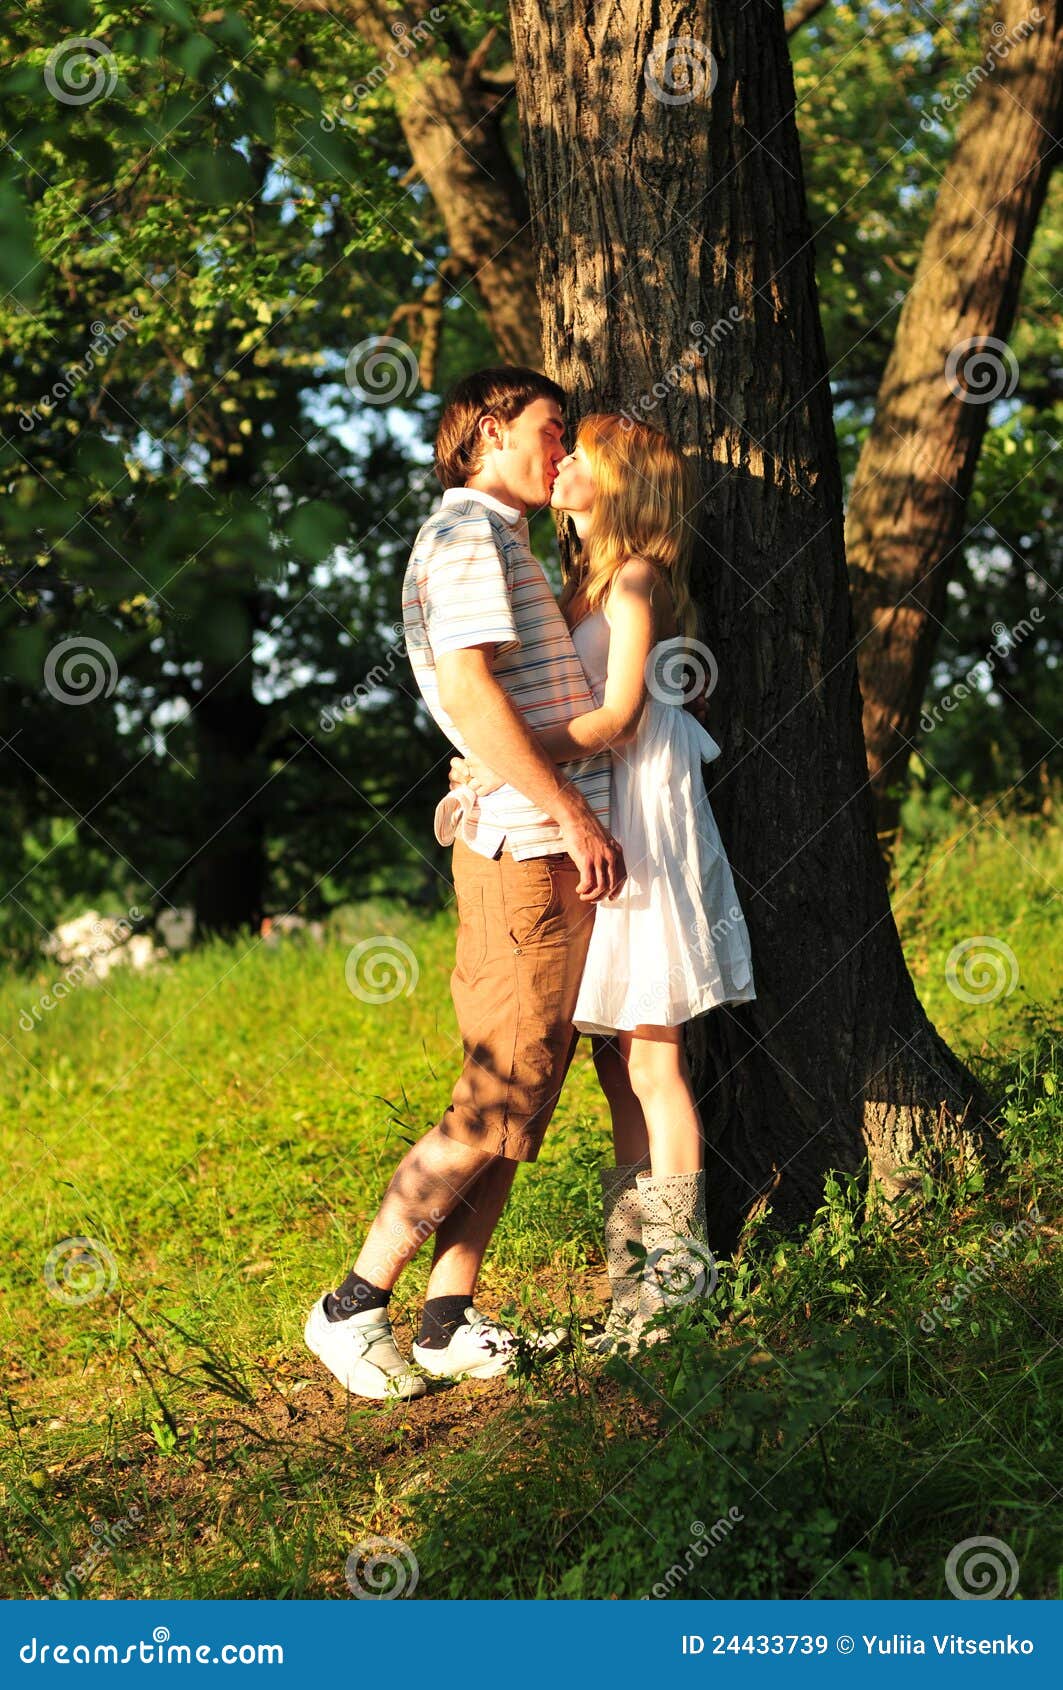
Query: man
[{"x": 494, "y": 660}]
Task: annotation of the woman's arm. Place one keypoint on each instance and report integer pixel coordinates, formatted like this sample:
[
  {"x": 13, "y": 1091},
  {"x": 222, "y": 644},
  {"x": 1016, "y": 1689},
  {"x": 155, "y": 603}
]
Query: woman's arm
[{"x": 631, "y": 639}]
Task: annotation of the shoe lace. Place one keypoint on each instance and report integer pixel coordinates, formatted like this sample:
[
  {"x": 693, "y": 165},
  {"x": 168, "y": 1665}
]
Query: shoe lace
[{"x": 371, "y": 1336}]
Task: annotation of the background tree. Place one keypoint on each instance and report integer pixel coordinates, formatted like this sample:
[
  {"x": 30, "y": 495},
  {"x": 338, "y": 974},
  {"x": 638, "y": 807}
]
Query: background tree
[{"x": 949, "y": 361}]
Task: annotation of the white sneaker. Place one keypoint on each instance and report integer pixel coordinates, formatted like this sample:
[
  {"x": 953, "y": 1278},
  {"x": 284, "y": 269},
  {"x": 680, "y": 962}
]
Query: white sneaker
[
  {"x": 481, "y": 1349},
  {"x": 361, "y": 1353}
]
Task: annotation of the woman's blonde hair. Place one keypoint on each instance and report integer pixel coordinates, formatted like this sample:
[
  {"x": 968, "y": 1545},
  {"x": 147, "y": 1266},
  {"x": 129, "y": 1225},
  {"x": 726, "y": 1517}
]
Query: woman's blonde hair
[{"x": 643, "y": 495}]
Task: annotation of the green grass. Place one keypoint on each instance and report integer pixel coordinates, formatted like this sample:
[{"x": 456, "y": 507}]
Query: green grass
[{"x": 222, "y": 1128}]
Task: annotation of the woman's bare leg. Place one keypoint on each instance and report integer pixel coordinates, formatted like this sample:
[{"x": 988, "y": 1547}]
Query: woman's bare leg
[
  {"x": 631, "y": 1146},
  {"x": 659, "y": 1077}
]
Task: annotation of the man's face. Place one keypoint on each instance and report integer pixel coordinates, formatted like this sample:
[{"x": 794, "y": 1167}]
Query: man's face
[{"x": 532, "y": 447}]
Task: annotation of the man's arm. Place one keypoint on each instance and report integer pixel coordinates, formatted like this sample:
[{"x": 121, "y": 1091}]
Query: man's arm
[{"x": 494, "y": 729}]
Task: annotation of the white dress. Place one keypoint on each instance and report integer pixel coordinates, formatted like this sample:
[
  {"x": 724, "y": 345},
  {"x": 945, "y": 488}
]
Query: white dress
[{"x": 674, "y": 943}]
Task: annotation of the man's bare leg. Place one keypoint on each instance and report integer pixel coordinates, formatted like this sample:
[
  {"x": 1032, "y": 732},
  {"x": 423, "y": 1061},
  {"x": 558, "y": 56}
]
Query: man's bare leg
[
  {"x": 463, "y": 1237},
  {"x": 436, "y": 1185}
]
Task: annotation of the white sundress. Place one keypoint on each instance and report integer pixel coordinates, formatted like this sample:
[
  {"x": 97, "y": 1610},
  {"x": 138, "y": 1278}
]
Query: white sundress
[{"x": 674, "y": 943}]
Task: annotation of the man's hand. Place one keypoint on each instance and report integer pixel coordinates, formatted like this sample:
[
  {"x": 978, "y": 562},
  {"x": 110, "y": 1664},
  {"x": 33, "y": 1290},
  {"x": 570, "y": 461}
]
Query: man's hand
[
  {"x": 472, "y": 771},
  {"x": 598, "y": 856}
]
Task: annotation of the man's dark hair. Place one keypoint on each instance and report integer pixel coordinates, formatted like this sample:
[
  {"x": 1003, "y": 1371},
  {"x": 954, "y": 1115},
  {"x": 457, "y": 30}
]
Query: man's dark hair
[{"x": 503, "y": 392}]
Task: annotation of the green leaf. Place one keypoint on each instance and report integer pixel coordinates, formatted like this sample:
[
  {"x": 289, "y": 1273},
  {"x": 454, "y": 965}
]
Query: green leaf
[
  {"x": 215, "y": 175},
  {"x": 20, "y": 268},
  {"x": 232, "y": 29},
  {"x": 316, "y": 528},
  {"x": 173, "y": 11},
  {"x": 193, "y": 54},
  {"x": 258, "y": 103},
  {"x": 100, "y": 460},
  {"x": 326, "y": 153}
]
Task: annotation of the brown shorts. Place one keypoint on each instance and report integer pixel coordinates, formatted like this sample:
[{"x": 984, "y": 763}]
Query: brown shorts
[{"x": 522, "y": 943}]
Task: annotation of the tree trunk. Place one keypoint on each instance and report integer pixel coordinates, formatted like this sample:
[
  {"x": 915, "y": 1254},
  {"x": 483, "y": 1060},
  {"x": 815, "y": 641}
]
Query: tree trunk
[
  {"x": 229, "y": 866},
  {"x": 949, "y": 360},
  {"x": 678, "y": 284}
]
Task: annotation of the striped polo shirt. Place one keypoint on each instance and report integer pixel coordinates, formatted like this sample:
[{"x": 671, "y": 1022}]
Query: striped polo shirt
[{"x": 472, "y": 579}]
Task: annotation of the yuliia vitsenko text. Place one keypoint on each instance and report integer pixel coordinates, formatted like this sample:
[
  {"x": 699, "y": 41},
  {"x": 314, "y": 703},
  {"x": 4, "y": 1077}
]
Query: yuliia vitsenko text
[{"x": 898, "y": 1643}]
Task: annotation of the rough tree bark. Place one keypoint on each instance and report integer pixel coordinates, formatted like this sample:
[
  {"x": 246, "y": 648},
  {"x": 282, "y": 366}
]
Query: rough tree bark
[
  {"x": 229, "y": 865},
  {"x": 451, "y": 114},
  {"x": 904, "y": 529},
  {"x": 677, "y": 283}
]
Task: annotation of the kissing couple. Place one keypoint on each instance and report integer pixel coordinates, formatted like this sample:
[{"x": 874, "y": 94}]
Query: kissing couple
[{"x": 593, "y": 891}]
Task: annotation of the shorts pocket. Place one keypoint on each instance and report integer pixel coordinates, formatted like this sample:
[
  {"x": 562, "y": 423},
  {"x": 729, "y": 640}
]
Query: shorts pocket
[
  {"x": 471, "y": 948},
  {"x": 533, "y": 901}
]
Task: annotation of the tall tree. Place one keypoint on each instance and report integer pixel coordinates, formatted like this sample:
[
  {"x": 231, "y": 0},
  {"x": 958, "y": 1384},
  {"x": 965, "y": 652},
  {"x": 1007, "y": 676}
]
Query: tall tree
[
  {"x": 905, "y": 526},
  {"x": 452, "y": 106},
  {"x": 676, "y": 272}
]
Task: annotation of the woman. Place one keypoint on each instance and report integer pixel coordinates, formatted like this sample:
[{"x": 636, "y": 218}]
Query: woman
[{"x": 674, "y": 942}]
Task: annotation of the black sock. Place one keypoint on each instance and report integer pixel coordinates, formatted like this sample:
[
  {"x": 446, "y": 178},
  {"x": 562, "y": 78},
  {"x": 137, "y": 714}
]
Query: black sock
[
  {"x": 354, "y": 1295},
  {"x": 441, "y": 1318}
]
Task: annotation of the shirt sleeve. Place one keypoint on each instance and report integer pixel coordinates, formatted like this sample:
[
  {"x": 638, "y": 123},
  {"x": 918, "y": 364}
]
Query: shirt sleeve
[{"x": 465, "y": 591}]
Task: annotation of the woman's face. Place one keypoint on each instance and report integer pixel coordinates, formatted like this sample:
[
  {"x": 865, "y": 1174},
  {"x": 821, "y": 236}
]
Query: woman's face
[{"x": 573, "y": 490}]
